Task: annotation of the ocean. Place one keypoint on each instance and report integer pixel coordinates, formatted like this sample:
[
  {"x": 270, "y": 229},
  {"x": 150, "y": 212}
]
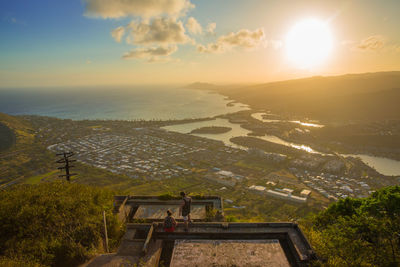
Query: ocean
[{"x": 132, "y": 103}]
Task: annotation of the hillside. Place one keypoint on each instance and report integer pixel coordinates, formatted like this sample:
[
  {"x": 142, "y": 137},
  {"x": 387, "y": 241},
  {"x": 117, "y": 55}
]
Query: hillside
[
  {"x": 365, "y": 97},
  {"x": 21, "y": 155},
  {"x": 14, "y": 131},
  {"x": 7, "y": 137},
  {"x": 17, "y": 130},
  {"x": 55, "y": 224}
]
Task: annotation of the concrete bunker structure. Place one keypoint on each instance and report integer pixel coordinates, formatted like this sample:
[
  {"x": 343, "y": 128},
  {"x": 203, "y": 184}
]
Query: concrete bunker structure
[
  {"x": 206, "y": 243},
  {"x": 154, "y": 208}
]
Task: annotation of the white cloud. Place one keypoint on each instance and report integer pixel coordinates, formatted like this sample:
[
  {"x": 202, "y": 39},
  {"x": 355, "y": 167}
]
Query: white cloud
[
  {"x": 13, "y": 20},
  {"x": 158, "y": 31},
  {"x": 211, "y": 27},
  {"x": 371, "y": 43},
  {"x": 152, "y": 54},
  {"x": 194, "y": 26},
  {"x": 141, "y": 8},
  {"x": 118, "y": 33},
  {"x": 243, "y": 39},
  {"x": 156, "y": 28}
]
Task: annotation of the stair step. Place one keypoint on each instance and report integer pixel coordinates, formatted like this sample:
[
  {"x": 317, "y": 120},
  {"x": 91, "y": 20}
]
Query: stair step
[
  {"x": 129, "y": 235},
  {"x": 130, "y": 248}
]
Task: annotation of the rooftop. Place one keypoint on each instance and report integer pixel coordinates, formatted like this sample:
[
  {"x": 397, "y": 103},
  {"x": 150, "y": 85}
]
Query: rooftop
[
  {"x": 240, "y": 253},
  {"x": 212, "y": 244},
  {"x": 154, "y": 208}
]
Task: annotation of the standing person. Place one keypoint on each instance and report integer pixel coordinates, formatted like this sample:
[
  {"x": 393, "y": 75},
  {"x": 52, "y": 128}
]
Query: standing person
[
  {"x": 169, "y": 222},
  {"x": 185, "y": 210}
]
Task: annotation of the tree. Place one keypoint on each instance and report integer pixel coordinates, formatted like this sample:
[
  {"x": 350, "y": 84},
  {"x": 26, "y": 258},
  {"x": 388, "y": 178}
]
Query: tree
[{"x": 359, "y": 232}]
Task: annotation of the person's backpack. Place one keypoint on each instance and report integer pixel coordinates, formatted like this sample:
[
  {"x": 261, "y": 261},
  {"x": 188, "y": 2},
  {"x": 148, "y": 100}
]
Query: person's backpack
[{"x": 168, "y": 223}]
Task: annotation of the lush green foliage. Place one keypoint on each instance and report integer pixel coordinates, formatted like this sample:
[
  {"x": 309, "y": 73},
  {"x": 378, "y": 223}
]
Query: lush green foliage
[
  {"x": 55, "y": 224},
  {"x": 359, "y": 232}
]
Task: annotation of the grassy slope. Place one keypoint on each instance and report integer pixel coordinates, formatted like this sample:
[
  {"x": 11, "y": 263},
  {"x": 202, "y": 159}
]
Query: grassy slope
[
  {"x": 7, "y": 137},
  {"x": 18, "y": 160},
  {"x": 55, "y": 224},
  {"x": 22, "y": 129}
]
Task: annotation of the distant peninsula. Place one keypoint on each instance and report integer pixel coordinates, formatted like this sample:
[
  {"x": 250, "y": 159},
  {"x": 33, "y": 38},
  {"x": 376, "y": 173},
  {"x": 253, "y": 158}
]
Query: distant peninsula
[{"x": 211, "y": 130}]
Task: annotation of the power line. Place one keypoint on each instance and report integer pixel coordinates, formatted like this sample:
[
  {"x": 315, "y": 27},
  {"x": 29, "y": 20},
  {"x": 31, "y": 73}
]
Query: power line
[{"x": 66, "y": 164}]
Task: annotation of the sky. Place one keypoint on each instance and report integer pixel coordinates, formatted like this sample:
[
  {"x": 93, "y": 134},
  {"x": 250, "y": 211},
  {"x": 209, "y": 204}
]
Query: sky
[{"x": 48, "y": 43}]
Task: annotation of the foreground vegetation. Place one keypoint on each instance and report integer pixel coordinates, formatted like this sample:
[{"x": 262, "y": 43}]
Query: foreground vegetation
[
  {"x": 359, "y": 232},
  {"x": 55, "y": 224},
  {"x": 60, "y": 224}
]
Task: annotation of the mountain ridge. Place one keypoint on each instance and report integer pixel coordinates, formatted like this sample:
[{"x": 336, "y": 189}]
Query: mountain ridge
[{"x": 327, "y": 98}]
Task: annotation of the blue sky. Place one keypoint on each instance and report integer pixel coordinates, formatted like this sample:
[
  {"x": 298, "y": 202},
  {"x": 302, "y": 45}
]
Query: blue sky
[{"x": 50, "y": 43}]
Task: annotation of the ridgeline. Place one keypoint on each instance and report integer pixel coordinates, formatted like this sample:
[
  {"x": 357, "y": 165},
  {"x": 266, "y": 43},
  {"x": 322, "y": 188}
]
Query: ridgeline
[{"x": 364, "y": 97}]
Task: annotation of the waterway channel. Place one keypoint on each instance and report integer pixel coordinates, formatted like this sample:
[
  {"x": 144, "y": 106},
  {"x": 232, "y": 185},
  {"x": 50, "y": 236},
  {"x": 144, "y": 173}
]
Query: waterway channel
[{"x": 382, "y": 165}]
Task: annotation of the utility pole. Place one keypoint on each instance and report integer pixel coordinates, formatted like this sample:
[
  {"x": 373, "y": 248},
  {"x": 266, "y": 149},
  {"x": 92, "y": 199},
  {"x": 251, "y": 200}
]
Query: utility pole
[
  {"x": 66, "y": 161},
  {"x": 105, "y": 231}
]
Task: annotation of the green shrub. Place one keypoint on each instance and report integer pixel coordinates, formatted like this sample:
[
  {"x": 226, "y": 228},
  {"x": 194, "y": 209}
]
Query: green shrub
[
  {"x": 56, "y": 224},
  {"x": 16, "y": 262},
  {"x": 168, "y": 196},
  {"x": 210, "y": 214},
  {"x": 231, "y": 218},
  {"x": 359, "y": 232}
]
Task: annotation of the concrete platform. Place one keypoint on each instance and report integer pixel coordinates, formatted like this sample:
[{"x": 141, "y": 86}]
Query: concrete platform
[
  {"x": 159, "y": 212},
  {"x": 112, "y": 260},
  {"x": 218, "y": 253}
]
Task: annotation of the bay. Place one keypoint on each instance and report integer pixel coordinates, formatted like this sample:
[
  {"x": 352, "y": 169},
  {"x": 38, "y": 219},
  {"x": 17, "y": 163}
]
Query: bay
[{"x": 131, "y": 103}]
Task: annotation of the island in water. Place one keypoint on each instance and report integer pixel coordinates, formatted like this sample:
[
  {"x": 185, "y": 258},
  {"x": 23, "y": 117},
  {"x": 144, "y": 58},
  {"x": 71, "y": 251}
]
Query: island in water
[{"x": 211, "y": 130}]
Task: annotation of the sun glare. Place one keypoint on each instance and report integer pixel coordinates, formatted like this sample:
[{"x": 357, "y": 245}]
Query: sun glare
[{"x": 308, "y": 43}]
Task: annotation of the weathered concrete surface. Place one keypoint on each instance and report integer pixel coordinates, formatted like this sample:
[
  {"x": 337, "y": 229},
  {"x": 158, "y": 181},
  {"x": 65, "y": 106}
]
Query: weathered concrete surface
[
  {"x": 130, "y": 248},
  {"x": 224, "y": 253},
  {"x": 112, "y": 260},
  {"x": 135, "y": 259},
  {"x": 155, "y": 212}
]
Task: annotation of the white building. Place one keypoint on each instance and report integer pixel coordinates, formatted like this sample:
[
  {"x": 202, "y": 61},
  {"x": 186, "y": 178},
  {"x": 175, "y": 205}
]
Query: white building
[
  {"x": 257, "y": 188},
  {"x": 286, "y": 196},
  {"x": 305, "y": 193}
]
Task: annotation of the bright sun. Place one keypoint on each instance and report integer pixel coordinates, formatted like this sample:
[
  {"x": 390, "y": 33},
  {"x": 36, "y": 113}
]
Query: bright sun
[{"x": 308, "y": 43}]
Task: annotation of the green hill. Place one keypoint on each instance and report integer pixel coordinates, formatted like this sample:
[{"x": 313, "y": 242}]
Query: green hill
[
  {"x": 368, "y": 97},
  {"x": 22, "y": 131},
  {"x": 20, "y": 155},
  {"x": 7, "y": 137}
]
